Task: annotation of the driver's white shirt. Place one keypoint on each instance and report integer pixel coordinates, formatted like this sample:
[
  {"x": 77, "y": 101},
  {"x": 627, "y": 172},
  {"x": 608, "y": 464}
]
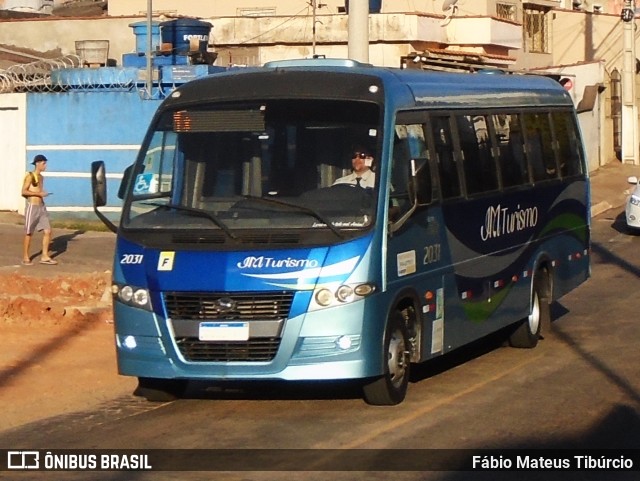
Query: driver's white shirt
[{"x": 367, "y": 179}]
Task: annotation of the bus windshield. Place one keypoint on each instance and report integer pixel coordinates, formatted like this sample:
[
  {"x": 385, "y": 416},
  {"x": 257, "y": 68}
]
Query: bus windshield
[{"x": 276, "y": 164}]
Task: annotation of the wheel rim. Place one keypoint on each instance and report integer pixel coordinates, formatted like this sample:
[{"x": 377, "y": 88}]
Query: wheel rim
[
  {"x": 397, "y": 362},
  {"x": 534, "y": 317}
]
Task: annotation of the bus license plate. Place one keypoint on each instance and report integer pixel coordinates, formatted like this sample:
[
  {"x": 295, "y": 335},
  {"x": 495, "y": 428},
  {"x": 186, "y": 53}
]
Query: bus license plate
[{"x": 223, "y": 331}]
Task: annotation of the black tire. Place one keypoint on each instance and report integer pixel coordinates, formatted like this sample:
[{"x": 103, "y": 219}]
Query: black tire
[
  {"x": 391, "y": 388},
  {"x": 527, "y": 334},
  {"x": 160, "y": 390}
]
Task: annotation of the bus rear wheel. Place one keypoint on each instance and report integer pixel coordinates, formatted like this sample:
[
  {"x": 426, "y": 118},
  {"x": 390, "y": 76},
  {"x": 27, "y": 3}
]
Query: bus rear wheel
[
  {"x": 391, "y": 388},
  {"x": 160, "y": 390},
  {"x": 527, "y": 334}
]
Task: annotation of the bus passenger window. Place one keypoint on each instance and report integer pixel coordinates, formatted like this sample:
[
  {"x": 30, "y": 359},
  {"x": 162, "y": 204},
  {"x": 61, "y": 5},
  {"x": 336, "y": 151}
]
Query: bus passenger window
[
  {"x": 513, "y": 165},
  {"x": 447, "y": 166},
  {"x": 408, "y": 144},
  {"x": 566, "y": 137},
  {"x": 478, "y": 163},
  {"x": 541, "y": 154}
]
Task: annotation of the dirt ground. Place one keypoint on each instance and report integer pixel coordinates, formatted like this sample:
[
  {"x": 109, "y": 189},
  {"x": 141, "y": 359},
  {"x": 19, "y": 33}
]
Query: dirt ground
[{"x": 58, "y": 353}]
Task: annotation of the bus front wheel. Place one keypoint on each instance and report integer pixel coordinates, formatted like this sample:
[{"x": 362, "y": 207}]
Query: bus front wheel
[
  {"x": 391, "y": 388},
  {"x": 527, "y": 334},
  {"x": 160, "y": 390}
]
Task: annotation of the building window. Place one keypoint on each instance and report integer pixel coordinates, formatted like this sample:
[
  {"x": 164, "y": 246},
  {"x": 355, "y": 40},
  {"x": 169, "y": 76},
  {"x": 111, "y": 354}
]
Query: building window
[
  {"x": 256, "y": 12},
  {"x": 536, "y": 30},
  {"x": 238, "y": 56},
  {"x": 506, "y": 11}
]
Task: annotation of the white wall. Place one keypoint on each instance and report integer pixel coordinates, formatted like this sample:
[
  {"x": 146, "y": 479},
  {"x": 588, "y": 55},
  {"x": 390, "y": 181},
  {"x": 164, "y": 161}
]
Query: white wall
[
  {"x": 13, "y": 120},
  {"x": 593, "y": 123}
]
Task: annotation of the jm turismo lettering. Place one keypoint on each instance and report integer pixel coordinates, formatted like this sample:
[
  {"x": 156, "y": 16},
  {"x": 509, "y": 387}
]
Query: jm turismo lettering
[
  {"x": 500, "y": 221},
  {"x": 260, "y": 262}
]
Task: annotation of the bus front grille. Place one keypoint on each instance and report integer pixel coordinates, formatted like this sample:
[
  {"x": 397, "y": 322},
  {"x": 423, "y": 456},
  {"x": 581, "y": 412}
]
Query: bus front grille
[
  {"x": 242, "y": 306},
  {"x": 265, "y": 312},
  {"x": 253, "y": 350}
]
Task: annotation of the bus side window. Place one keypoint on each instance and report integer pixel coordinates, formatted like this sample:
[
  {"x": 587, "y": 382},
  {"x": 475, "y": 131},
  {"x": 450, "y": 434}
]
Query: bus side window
[
  {"x": 478, "y": 163},
  {"x": 513, "y": 165},
  {"x": 447, "y": 166},
  {"x": 409, "y": 143},
  {"x": 566, "y": 138},
  {"x": 399, "y": 192},
  {"x": 541, "y": 154}
]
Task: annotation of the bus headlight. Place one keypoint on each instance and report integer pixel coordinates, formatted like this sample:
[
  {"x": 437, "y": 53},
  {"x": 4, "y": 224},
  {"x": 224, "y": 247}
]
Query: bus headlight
[
  {"x": 363, "y": 290},
  {"x": 141, "y": 297},
  {"x": 126, "y": 294},
  {"x": 342, "y": 294},
  {"x": 132, "y": 296},
  {"x": 324, "y": 297}
]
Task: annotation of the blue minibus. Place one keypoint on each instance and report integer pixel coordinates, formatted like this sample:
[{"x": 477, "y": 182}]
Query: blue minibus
[{"x": 325, "y": 219}]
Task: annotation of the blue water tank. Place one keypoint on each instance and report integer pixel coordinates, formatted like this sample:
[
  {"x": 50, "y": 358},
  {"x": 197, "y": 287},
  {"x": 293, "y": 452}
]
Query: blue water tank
[
  {"x": 374, "y": 6},
  {"x": 184, "y": 33},
  {"x": 140, "y": 31}
]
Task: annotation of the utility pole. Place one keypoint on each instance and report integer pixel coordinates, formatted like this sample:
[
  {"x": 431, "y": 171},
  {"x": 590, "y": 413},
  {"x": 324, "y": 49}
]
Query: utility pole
[
  {"x": 630, "y": 142},
  {"x": 149, "y": 48},
  {"x": 358, "y": 44},
  {"x": 314, "y": 6}
]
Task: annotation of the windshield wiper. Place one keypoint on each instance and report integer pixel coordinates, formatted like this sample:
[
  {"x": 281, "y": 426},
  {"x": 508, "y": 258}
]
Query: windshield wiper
[
  {"x": 298, "y": 208},
  {"x": 200, "y": 212}
]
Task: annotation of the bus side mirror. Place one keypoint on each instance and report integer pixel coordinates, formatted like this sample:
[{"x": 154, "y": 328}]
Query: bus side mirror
[
  {"x": 99, "y": 183},
  {"x": 99, "y": 190}
]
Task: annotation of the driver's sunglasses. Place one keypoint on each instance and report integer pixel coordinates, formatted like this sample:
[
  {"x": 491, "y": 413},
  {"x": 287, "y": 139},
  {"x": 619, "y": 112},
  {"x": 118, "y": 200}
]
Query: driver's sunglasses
[{"x": 360, "y": 155}]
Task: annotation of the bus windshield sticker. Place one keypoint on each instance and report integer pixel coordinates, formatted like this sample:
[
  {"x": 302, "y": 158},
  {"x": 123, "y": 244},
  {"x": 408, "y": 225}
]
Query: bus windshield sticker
[
  {"x": 143, "y": 184},
  {"x": 406, "y": 263}
]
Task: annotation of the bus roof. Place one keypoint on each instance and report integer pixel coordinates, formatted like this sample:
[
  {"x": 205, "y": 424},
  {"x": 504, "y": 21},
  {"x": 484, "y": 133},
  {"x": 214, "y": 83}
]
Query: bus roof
[{"x": 406, "y": 88}]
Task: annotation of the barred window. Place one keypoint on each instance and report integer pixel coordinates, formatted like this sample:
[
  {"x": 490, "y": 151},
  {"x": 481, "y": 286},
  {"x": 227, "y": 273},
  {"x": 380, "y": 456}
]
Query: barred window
[
  {"x": 506, "y": 11},
  {"x": 536, "y": 30}
]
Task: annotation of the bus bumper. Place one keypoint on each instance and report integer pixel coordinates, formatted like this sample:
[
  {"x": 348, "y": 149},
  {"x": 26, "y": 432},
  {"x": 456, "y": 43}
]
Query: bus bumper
[{"x": 321, "y": 345}]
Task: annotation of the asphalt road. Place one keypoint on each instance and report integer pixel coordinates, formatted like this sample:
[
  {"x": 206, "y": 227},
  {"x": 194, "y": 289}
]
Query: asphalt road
[{"x": 580, "y": 388}]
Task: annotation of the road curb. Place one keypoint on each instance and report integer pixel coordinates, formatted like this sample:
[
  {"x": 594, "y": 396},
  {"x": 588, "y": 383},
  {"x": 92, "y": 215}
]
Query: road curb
[{"x": 600, "y": 207}]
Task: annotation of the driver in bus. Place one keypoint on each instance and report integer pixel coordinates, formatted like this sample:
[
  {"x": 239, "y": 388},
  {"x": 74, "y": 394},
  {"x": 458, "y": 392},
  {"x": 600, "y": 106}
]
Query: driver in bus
[{"x": 362, "y": 175}]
